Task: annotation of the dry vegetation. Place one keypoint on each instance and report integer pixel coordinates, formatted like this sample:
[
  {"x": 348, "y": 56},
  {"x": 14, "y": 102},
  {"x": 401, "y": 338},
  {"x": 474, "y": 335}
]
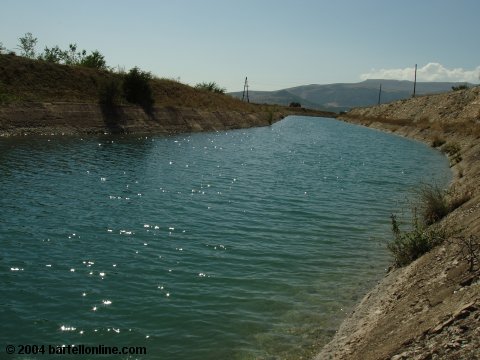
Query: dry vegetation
[
  {"x": 430, "y": 307},
  {"x": 40, "y": 97},
  {"x": 26, "y": 80},
  {"x": 456, "y": 113},
  {"x": 23, "y": 79}
]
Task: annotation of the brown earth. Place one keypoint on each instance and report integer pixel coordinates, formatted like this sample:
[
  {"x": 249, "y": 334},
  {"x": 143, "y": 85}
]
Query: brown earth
[
  {"x": 429, "y": 309},
  {"x": 90, "y": 118},
  {"x": 37, "y": 97}
]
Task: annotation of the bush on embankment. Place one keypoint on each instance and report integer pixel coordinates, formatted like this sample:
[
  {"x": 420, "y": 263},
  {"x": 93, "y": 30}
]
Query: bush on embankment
[{"x": 425, "y": 233}]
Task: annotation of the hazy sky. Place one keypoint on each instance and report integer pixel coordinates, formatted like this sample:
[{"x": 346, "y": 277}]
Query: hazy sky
[{"x": 277, "y": 44}]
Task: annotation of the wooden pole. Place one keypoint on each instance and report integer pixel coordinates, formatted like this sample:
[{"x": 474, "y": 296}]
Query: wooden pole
[
  {"x": 245, "y": 90},
  {"x": 243, "y": 95},
  {"x": 415, "y": 81},
  {"x": 379, "y": 94}
]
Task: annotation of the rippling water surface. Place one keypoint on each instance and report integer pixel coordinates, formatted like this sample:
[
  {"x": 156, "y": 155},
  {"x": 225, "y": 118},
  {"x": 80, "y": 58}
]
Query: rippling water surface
[{"x": 230, "y": 245}]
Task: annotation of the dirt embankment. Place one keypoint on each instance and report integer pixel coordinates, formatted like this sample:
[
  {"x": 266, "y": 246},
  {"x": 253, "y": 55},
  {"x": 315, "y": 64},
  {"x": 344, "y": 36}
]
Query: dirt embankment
[
  {"x": 38, "y": 97},
  {"x": 90, "y": 118},
  {"x": 46, "y": 118},
  {"x": 429, "y": 309}
]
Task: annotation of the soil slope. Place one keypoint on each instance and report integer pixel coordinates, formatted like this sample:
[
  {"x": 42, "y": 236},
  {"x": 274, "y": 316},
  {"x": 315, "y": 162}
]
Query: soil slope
[
  {"x": 37, "y": 97},
  {"x": 429, "y": 309}
]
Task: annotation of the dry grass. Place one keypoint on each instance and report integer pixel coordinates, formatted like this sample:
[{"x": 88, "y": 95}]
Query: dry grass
[
  {"x": 438, "y": 141},
  {"x": 32, "y": 80},
  {"x": 453, "y": 113},
  {"x": 434, "y": 203},
  {"x": 24, "y": 80},
  {"x": 470, "y": 251}
]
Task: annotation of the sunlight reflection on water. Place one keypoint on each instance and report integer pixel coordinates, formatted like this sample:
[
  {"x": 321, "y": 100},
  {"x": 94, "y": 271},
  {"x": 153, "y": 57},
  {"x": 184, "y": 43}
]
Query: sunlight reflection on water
[{"x": 248, "y": 243}]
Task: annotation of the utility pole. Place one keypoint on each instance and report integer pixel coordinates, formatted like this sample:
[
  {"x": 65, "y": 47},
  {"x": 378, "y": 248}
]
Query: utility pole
[
  {"x": 379, "y": 94},
  {"x": 415, "y": 82},
  {"x": 245, "y": 90}
]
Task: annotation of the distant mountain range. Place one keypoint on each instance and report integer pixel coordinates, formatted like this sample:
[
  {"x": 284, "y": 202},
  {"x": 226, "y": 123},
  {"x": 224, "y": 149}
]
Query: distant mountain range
[{"x": 344, "y": 96}]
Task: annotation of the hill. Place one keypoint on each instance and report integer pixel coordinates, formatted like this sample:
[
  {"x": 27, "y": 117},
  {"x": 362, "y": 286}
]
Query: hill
[
  {"x": 38, "y": 97},
  {"x": 429, "y": 309},
  {"x": 279, "y": 97},
  {"x": 344, "y": 96}
]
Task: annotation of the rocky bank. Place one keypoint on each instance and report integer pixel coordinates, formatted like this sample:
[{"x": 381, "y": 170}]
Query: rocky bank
[
  {"x": 429, "y": 309},
  {"x": 91, "y": 118}
]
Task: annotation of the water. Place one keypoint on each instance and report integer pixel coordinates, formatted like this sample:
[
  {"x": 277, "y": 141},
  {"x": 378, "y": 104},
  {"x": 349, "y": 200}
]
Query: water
[{"x": 231, "y": 245}]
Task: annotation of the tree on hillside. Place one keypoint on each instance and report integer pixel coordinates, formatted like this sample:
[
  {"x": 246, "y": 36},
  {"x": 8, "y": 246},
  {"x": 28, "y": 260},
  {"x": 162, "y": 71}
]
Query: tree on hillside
[
  {"x": 72, "y": 56},
  {"x": 27, "y": 45},
  {"x": 53, "y": 55},
  {"x": 94, "y": 60},
  {"x": 137, "y": 89},
  {"x": 2, "y": 48}
]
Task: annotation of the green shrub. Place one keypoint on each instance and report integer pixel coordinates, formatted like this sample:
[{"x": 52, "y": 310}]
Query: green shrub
[
  {"x": 433, "y": 204},
  {"x": 137, "y": 89},
  {"x": 410, "y": 245},
  {"x": 95, "y": 60},
  {"x": 53, "y": 55},
  {"x": 110, "y": 93},
  {"x": 72, "y": 56},
  {"x": 59, "y": 56},
  {"x": 211, "y": 86},
  {"x": 460, "y": 87}
]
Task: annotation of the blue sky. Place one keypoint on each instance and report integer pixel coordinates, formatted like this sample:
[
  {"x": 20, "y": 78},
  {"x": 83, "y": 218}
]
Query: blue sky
[{"x": 277, "y": 44}]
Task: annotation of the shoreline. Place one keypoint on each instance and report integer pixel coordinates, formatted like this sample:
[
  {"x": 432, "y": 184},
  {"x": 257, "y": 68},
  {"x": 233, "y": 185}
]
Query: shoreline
[
  {"x": 40, "y": 118},
  {"x": 429, "y": 309},
  {"x": 70, "y": 118}
]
